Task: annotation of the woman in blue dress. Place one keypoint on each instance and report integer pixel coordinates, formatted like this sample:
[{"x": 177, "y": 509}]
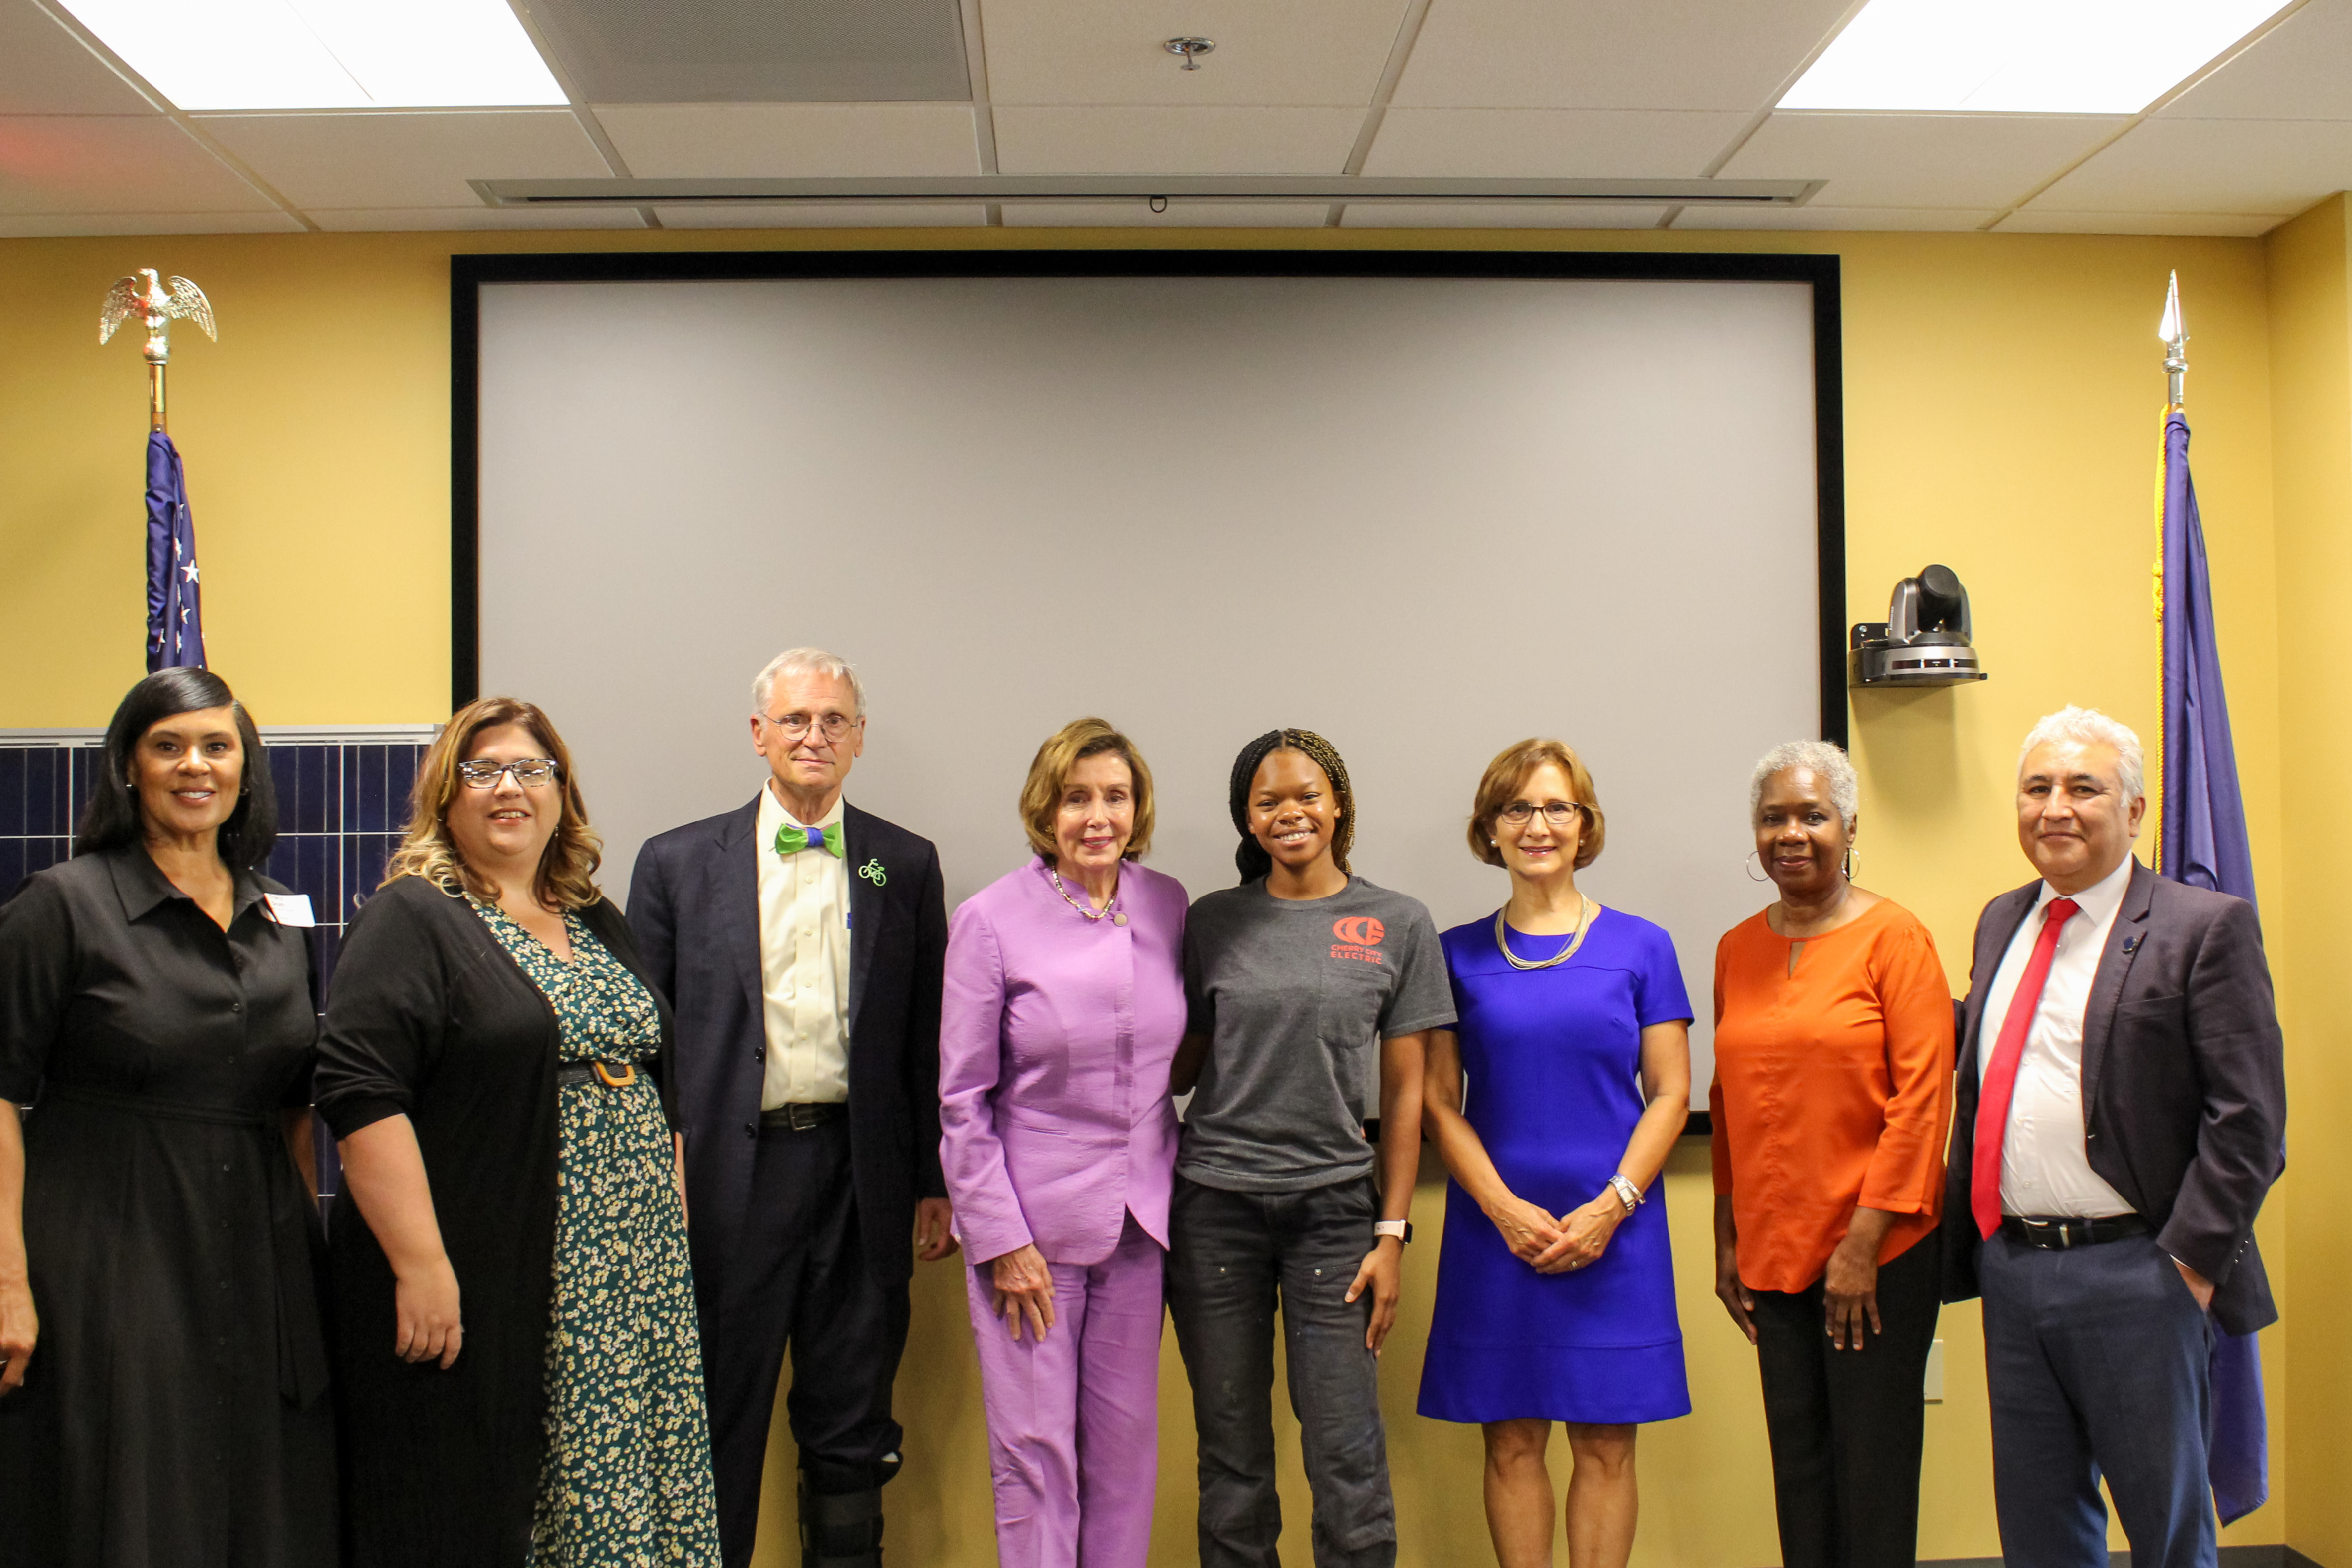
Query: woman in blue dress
[{"x": 1555, "y": 1290}]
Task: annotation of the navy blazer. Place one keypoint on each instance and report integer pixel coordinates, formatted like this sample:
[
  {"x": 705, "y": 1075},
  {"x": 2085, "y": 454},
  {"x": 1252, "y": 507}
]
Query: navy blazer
[
  {"x": 2184, "y": 1082},
  {"x": 694, "y": 905}
]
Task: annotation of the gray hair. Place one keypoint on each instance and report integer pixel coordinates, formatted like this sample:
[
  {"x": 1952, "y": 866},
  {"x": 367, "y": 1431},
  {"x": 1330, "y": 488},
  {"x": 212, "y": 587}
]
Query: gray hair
[
  {"x": 2089, "y": 727},
  {"x": 805, "y": 662},
  {"x": 1825, "y": 760}
]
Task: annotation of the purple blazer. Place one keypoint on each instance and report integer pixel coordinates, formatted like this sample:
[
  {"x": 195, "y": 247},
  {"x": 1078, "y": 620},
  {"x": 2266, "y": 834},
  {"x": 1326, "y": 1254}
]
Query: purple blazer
[{"x": 1056, "y": 1038}]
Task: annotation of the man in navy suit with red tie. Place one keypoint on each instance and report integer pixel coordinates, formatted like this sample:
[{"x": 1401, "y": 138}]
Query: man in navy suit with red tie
[
  {"x": 802, "y": 942},
  {"x": 2121, "y": 1106}
]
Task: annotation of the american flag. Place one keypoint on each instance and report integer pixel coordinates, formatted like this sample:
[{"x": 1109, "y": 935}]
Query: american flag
[{"x": 175, "y": 622}]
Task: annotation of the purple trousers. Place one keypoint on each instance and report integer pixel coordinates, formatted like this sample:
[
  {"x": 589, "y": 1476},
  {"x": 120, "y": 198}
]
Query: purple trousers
[{"x": 1074, "y": 1421}]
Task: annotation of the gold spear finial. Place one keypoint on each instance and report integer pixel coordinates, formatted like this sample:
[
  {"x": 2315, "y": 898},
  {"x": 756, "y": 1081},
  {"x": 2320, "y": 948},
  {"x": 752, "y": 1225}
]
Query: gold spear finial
[
  {"x": 2175, "y": 334},
  {"x": 156, "y": 309}
]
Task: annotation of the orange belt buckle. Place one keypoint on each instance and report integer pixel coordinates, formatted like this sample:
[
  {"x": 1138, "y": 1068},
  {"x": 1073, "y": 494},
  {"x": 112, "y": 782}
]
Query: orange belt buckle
[{"x": 629, "y": 1072}]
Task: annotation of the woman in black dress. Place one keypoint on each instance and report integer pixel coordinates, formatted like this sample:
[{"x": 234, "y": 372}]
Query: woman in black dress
[
  {"x": 515, "y": 1341},
  {"x": 164, "y": 1397}
]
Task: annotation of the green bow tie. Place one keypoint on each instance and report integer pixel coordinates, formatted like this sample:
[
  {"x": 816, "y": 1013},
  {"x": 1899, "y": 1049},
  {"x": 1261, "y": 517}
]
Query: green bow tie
[{"x": 792, "y": 841}]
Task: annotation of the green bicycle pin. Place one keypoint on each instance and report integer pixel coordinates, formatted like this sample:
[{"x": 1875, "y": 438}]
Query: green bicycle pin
[{"x": 872, "y": 872}]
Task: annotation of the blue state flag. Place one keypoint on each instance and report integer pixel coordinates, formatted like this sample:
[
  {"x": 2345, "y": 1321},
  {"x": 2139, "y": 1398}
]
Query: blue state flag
[
  {"x": 175, "y": 622},
  {"x": 2202, "y": 841}
]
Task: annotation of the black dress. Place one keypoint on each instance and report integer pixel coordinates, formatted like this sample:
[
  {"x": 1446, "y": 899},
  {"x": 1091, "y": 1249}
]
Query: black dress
[
  {"x": 429, "y": 1018},
  {"x": 176, "y": 1410}
]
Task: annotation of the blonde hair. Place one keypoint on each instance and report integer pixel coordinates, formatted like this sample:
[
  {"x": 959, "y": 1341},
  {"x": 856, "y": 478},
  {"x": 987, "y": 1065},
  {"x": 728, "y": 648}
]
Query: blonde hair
[
  {"x": 1049, "y": 771},
  {"x": 1509, "y": 774},
  {"x": 565, "y": 879}
]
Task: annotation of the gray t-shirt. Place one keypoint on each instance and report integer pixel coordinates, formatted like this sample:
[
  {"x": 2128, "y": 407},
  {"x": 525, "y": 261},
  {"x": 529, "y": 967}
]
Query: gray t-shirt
[{"x": 1296, "y": 995}]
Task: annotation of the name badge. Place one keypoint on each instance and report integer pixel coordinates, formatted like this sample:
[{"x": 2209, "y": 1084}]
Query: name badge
[{"x": 290, "y": 908}]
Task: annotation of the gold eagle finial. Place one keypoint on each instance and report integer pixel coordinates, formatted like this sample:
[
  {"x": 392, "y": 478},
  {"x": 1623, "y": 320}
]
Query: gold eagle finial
[{"x": 157, "y": 309}]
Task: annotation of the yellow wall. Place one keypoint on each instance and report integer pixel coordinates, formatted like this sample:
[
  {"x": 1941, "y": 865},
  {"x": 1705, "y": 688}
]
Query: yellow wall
[
  {"x": 2310, "y": 908},
  {"x": 2003, "y": 396}
]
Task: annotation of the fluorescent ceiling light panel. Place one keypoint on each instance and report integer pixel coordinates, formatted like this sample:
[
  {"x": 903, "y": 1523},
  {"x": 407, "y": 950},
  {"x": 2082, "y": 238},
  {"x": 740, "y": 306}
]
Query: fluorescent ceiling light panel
[
  {"x": 325, "y": 54},
  {"x": 2022, "y": 57}
]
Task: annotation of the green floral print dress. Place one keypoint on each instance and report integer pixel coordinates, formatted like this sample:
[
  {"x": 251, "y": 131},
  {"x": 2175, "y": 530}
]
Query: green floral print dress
[{"x": 627, "y": 1474}]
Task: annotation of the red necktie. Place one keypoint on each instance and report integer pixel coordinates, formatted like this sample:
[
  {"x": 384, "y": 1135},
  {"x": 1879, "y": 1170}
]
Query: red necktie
[{"x": 2000, "y": 1078}]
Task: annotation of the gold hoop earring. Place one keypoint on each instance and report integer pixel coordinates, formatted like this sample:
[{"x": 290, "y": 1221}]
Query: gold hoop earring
[
  {"x": 1760, "y": 875},
  {"x": 1847, "y": 865}
]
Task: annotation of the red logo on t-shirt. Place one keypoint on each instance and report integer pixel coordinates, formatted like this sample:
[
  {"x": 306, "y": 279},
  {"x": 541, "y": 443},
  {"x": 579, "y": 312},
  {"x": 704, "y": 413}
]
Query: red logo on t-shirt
[{"x": 1359, "y": 938}]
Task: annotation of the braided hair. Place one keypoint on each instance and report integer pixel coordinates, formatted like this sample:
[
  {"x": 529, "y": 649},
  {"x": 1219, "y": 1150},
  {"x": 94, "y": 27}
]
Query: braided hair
[{"x": 1249, "y": 855}]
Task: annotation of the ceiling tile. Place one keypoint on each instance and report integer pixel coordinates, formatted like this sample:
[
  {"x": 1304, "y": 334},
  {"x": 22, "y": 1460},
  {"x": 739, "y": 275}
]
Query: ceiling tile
[
  {"x": 1550, "y": 143},
  {"x": 1179, "y": 215},
  {"x": 1115, "y": 51},
  {"x": 403, "y": 220},
  {"x": 792, "y": 141},
  {"x": 1040, "y": 141},
  {"x": 405, "y": 160},
  {"x": 1918, "y": 159},
  {"x": 1611, "y": 54},
  {"x": 2248, "y": 166},
  {"x": 66, "y": 225},
  {"x": 832, "y": 216},
  {"x": 1498, "y": 216},
  {"x": 2038, "y": 221},
  {"x": 92, "y": 164},
  {"x": 2299, "y": 69},
  {"x": 757, "y": 51},
  {"x": 1921, "y": 219},
  {"x": 44, "y": 69}
]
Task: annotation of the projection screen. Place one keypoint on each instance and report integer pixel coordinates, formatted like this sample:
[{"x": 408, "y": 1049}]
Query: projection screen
[{"x": 1427, "y": 506}]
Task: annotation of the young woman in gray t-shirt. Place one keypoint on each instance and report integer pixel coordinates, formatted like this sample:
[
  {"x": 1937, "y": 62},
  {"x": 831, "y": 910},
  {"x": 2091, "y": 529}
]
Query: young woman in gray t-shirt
[{"x": 1297, "y": 981}]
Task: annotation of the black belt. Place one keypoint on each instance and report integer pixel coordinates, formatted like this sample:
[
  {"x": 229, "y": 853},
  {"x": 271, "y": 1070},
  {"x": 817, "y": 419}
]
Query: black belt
[
  {"x": 804, "y": 1117},
  {"x": 2057, "y": 1232},
  {"x": 605, "y": 1072}
]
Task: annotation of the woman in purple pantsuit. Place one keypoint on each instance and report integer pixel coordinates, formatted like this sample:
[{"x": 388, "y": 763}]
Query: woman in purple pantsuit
[{"x": 1064, "y": 1003}]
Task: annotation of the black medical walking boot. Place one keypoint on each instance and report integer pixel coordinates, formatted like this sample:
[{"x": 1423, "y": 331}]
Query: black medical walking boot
[{"x": 841, "y": 1512}]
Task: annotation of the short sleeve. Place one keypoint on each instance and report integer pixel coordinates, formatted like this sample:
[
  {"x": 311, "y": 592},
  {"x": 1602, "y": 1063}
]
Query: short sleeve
[
  {"x": 1422, "y": 997},
  {"x": 1660, "y": 996},
  {"x": 385, "y": 1015},
  {"x": 37, "y": 973},
  {"x": 1200, "y": 1008}
]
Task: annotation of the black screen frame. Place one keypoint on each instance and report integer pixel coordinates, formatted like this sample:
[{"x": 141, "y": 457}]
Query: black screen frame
[{"x": 469, "y": 272}]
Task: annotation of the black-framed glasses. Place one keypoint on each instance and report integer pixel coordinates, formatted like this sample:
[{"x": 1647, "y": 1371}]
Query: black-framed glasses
[
  {"x": 1518, "y": 813},
  {"x": 833, "y": 726},
  {"x": 531, "y": 773}
]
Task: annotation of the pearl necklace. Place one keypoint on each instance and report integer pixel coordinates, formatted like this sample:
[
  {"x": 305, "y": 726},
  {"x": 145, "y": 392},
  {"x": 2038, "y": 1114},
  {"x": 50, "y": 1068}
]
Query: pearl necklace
[
  {"x": 1073, "y": 904},
  {"x": 1575, "y": 940}
]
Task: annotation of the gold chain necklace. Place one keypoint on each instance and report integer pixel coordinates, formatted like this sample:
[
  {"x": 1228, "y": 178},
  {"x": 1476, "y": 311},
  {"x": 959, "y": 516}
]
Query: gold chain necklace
[
  {"x": 1575, "y": 940},
  {"x": 1073, "y": 904}
]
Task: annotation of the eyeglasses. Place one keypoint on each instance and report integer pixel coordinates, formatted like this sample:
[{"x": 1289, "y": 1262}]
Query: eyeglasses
[
  {"x": 531, "y": 773},
  {"x": 1558, "y": 812},
  {"x": 833, "y": 726}
]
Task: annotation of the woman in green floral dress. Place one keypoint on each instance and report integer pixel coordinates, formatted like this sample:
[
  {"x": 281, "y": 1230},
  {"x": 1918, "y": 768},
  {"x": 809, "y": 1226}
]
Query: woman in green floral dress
[{"x": 492, "y": 1065}]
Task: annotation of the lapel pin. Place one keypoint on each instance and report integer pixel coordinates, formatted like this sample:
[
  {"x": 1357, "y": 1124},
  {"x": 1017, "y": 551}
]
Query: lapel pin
[{"x": 872, "y": 871}]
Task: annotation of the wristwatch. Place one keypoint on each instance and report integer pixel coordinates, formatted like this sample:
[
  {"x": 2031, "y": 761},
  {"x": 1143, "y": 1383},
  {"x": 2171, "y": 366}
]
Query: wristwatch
[
  {"x": 1400, "y": 1229},
  {"x": 1627, "y": 1193}
]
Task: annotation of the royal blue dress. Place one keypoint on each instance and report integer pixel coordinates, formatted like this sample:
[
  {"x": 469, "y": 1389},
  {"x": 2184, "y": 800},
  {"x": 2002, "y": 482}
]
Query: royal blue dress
[{"x": 1552, "y": 1058}]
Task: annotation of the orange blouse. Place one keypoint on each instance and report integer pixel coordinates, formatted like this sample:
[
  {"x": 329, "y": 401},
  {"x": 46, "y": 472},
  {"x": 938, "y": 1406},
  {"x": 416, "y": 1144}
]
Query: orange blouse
[{"x": 1833, "y": 1088}]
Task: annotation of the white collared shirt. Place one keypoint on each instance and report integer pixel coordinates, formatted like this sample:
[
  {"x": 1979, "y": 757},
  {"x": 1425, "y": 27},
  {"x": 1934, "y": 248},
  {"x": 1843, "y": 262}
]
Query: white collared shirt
[
  {"x": 2046, "y": 1165},
  {"x": 804, "y": 962}
]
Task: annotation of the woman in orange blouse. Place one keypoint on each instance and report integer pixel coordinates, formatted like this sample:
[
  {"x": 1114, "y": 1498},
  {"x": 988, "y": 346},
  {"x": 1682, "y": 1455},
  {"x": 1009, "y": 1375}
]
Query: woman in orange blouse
[{"x": 1832, "y": 1094}]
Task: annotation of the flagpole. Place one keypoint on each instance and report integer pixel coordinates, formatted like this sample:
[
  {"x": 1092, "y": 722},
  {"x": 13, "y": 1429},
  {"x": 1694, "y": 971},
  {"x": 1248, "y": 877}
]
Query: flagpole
[{"x": 2174, "y": 334}]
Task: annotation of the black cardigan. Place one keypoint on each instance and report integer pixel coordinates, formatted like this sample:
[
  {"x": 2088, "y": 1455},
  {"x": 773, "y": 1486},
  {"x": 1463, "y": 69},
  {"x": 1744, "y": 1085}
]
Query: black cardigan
[{"x": 428, "y": 1017}]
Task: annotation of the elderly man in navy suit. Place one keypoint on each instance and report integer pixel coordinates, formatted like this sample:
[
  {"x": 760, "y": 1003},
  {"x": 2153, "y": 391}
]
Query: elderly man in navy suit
[
  {"x": 801, "y": 942},
  {"x": 2121, "y": 1102}
]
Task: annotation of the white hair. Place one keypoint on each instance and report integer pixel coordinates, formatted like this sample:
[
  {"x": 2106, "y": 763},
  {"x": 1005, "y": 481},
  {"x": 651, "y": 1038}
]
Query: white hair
[
  {"x": 1826, "y": 761},
  {"x": 2089, "y": 727},
  {"x": 805, "y": 662}
]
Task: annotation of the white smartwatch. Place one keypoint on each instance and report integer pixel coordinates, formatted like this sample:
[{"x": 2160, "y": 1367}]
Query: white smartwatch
[
  {"x": 1400, "y": 1229},
  {"x": 1627, "y": 1193}
]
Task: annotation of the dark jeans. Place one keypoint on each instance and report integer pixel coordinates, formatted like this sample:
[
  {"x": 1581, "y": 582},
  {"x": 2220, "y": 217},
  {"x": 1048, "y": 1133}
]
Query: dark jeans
[
  {"x": 2097, "y": 1361},
  {"x": 1230, "y": 1255},
  {"x": 1846, "y": 1426},
  {"x": 800, "y": 1278}
]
